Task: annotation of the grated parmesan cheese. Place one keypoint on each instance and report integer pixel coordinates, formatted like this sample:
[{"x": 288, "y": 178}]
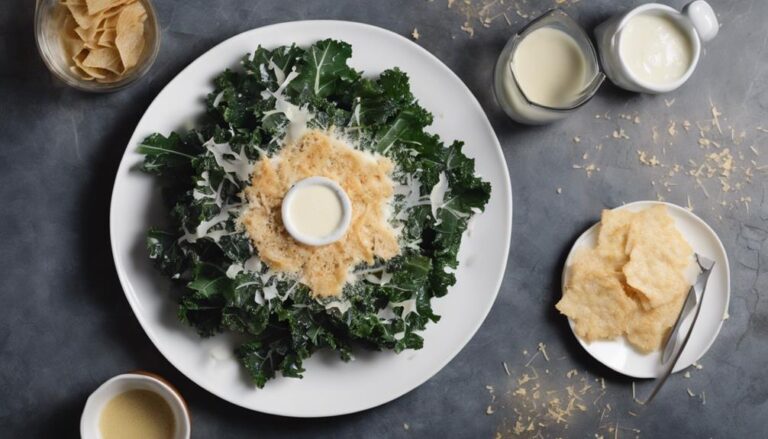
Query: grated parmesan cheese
[
  {"x": 437, "y": 196},
  {"x": 366, "y": 180}
]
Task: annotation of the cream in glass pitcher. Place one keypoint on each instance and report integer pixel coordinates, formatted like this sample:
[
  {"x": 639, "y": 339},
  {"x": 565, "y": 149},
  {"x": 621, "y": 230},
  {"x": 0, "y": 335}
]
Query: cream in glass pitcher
[{"x": 547, "y": 70}]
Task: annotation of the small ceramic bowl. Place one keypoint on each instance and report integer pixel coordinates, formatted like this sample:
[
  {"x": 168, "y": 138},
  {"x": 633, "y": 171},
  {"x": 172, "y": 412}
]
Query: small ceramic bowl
[
  {"x": 47, "y": 24},
  {"x": 89, "y": 421},
  {"x": 346, "y": 208}
]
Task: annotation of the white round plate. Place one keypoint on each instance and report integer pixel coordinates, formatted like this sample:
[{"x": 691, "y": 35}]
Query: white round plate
[
  {"x": 618, "y": 354},
  {"x": 330, "y": 386}
]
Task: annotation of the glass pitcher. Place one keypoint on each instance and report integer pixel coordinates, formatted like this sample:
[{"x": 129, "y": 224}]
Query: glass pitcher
[{"x": 511, "y": 96}]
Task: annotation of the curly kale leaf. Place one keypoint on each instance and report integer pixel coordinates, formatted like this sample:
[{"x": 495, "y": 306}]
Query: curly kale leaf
[
  {"x": 375, "y": 102},
  {"x": 165, "y": 252},
  {"x": 293, "y": 330},
  {"x": 167, "y": 155},
  {"x": 467, "y": 195},
  {"x": 324, "y": 70}
]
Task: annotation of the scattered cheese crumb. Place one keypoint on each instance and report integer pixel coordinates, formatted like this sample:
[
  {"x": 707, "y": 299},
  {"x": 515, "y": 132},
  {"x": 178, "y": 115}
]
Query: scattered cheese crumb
[
  {"x": 634, "y": 395},
  {"x": 671, "y": 129},
  {"x": 559, "y": 190},
  {"x": 716, "y": 117},
  {"x": 468, "y": 29},
  {"x": 524, "y": 379},
  {"x": 415, "y": 34},
  {"x": 619, "y": 134},
  {"x": 543, "y": 349},
  {"x": 642, "y": 156}
]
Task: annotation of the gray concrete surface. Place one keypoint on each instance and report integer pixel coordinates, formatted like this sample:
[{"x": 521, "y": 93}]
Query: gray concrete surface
[{"x": 65, "y": 325}]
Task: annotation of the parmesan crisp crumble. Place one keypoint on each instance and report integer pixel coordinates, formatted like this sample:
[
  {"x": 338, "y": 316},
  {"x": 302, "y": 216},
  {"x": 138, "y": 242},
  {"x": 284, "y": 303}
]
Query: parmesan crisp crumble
[{"x": 366, "y": 180}]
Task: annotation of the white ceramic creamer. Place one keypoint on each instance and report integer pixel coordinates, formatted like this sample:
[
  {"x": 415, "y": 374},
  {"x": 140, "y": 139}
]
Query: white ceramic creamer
[{"x": 654, "y": 48}]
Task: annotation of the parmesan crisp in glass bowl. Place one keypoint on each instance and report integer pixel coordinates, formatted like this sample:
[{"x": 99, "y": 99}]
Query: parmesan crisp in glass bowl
[{"x": 69, "y": 37}]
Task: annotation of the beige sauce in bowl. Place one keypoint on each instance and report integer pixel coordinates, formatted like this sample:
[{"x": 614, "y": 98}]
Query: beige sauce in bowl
[{"x": 137, "y": 414}]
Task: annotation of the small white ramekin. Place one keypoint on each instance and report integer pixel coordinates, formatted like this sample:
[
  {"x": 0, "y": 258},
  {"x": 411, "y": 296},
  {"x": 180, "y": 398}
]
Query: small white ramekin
[
  {"x": 140, "y": 380},
  {"x": 346, "y": 207}
]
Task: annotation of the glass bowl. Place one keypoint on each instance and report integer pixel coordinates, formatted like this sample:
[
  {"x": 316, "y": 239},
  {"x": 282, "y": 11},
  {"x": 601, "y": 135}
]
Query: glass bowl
[{"x": 48, "y": 17}]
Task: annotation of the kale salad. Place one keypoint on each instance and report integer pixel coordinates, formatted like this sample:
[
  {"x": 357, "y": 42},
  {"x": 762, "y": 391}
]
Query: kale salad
[{"x": 252, "y": 114}]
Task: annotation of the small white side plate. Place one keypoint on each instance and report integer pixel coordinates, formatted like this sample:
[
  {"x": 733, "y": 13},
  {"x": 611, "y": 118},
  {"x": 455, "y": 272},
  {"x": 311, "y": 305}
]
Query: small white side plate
[{"x": 618, "y": 354}]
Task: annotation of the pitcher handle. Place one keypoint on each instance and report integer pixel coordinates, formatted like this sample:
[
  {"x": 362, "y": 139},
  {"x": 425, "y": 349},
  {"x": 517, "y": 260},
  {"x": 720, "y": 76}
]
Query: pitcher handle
[{"x": 703, "y": 18}]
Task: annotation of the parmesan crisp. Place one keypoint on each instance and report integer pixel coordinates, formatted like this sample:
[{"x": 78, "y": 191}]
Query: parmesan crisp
[
  {"x": 632, "y": 283},
  {"x": 103, "y": 39},
  {"x": 366, "y": 180},
  {"x": 658, "y": 254},
  {"x": 648, "y": 329},
  {"x": 612, "y": 239},
  {"x": 595, "y": 299}
]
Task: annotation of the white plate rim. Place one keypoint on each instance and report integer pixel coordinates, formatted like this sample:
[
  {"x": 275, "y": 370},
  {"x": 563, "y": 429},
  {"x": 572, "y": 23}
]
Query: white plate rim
[
  {"x": 727, "y": 273},
  {"x": 507, "y": 232}
]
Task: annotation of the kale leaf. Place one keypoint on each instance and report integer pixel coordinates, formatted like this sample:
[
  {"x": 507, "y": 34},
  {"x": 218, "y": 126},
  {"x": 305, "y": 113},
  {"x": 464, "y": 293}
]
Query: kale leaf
[{"x": 324, "y": 69}]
